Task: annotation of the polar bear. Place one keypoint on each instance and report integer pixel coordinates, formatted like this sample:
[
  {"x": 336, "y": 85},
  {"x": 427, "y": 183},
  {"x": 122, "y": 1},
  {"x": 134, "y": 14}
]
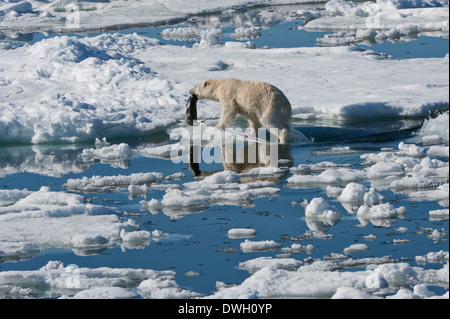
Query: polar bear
[{"x": 260, "y": 103}]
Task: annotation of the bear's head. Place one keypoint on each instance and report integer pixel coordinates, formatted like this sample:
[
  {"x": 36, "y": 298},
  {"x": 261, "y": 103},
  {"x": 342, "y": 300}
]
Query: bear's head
[{"x": 205, "y": 90}]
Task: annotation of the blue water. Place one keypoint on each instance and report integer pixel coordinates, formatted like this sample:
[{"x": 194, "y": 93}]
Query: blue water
[
  {"x": 276, "y": 32},
  {"x": 199, "y": 242}
]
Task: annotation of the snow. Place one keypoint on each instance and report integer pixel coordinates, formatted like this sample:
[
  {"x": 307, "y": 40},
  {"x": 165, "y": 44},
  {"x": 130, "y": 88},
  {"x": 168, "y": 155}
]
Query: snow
[
  {"x": 116, "y": 85},
  {"x": 105, "y": 293},
  {"x": 8, "y": 197},
  {"x": 439, "y": 214},
  {"x": 385, "y": 210},
  {"x": 256, "y": 264},
  {"x": 192, "y": 33},
  {"x": 358, "y": 193},
  {"x": 107, "y": 183},
  {"x": 41, "y": 220},
  {"x": 319, "y": 208},
  {"x": 241, "y": 232},
  {"x": 220, "y": 188},
  {"x": 355, "y": 248},
  {"x": 319, "y": 280},
  {"x": 84, "y": 15},
  {"x": 157, "y": 288},
  {"x": 336, "y": 177},
  {"x": 264, "y": 245},
  {"x": 369, "y": 22},
  {"x": 437, "y": 128},
  {"x": 376, "y": 281},
  {"x": 93, "y": 283},
  {"x": 92, "y": 87},
  {"x": 121, "y": 150}
]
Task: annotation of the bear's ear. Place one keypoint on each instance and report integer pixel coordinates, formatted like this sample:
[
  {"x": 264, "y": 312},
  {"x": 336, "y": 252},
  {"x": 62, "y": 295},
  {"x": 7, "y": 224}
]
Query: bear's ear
[{"x": 205, "y": 84}]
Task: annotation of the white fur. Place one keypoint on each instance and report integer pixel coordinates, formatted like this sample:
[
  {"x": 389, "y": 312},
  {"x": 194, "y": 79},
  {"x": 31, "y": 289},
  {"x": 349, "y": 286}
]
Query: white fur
[{"x": 261, "y": 103}]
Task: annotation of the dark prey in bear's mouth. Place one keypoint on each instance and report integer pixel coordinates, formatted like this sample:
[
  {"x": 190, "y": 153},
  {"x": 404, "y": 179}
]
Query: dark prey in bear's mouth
[{"x": 191, "y": 109}]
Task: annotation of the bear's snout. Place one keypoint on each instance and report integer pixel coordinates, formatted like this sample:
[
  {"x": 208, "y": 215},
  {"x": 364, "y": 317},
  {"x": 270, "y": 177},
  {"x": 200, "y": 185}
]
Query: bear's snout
[{"x": 194, "y": 91}]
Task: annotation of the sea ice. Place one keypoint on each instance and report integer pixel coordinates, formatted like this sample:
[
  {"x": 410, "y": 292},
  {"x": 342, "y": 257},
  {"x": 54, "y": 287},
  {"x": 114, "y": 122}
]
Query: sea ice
[
  {"x": 380, "y": 211},
  {"x": 355, "y": 248},
  {"x": 85, "y": 84},
  {"x": 110, "y": 183},
  {"x": 127, "y": 85},
  {"x": 358, "y": 193},
  {"x": 11, "y": 196},
  {"x": 376, "y": 281},
  {"x": 56, "y": 280},
  {"x": 320, "y": 279},
  {"x": 256, "y": 264},
  {"x": 68, "y": 15},
  {"x": 37, "y": 221},
  {"x": 369, "y": 21},
  {"x": 220, "y": 188},
  {"x": 254, "y": 246},
  {"x": 334, "y": 177},
  {"x": 319, "y": 208},
  {"x": 112, "y": 152},
  {"x": 241, "y": 232}
]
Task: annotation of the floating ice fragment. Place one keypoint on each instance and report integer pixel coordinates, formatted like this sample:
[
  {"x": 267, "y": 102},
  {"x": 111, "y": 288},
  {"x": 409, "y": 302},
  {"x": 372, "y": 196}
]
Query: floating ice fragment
[
  {"x": 254, "y": 246},
  {"x": 115, "y": 151},
  {"x": 138, "y": 190},
  {"x": 381, "y": 211},
  {"x": 108, "y": 183},
  {"x": 164, "y": 288},
  {"x": 105, "y": 293},
  {"x": 352, "y": 293},
  {"x": 435, "y": 235},
  {"x": 439, "y": 214},
  {"x": 135, "y": 236},
  {"x": 400, "y": 274},
  {"x": 333, "y": 177},
  {"x": 319, "y": 208},
  {"x": 355, "y": 248},
  {"x": 256, "y": 264},
  {"x": 241, "y": 233}
]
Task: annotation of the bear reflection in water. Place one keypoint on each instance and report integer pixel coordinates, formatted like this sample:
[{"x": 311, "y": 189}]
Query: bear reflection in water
[{"x": 242, "y": 159}]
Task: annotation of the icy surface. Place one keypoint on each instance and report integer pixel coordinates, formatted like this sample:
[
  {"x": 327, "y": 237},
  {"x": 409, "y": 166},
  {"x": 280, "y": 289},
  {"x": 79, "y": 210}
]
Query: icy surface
[
  {"x": 37, "y": 221},
  {"x": 369, "y": 22},
  {"x": 70, "y": 89},
  {"x": 57, "y": 280},
  {"x": 85, "y": 15},
  {"x": 127, "y": 85}
]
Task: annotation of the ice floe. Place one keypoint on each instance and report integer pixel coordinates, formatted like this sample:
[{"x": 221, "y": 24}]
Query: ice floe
[
  {"x": 319, "y": 280},
  {"x": 57, "y": 280},
  {"x": 32, "y": 222},
  {"x": 369, "y": 22},
  {"x": 32, "y": 15},
  {"x": 128, "y": 85},
  {"x": 116, "y": 85},
  {"x": 220, "y": 188},
  {"x": 98, "y": 183},
  {"x": 241, "y": 232},
  {"x": 85, "y": 85},
  {"x": 253, "y": 246}
]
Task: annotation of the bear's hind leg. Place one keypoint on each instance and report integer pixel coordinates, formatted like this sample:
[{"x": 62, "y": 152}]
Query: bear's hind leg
[{"x": 278, "y": 129}]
